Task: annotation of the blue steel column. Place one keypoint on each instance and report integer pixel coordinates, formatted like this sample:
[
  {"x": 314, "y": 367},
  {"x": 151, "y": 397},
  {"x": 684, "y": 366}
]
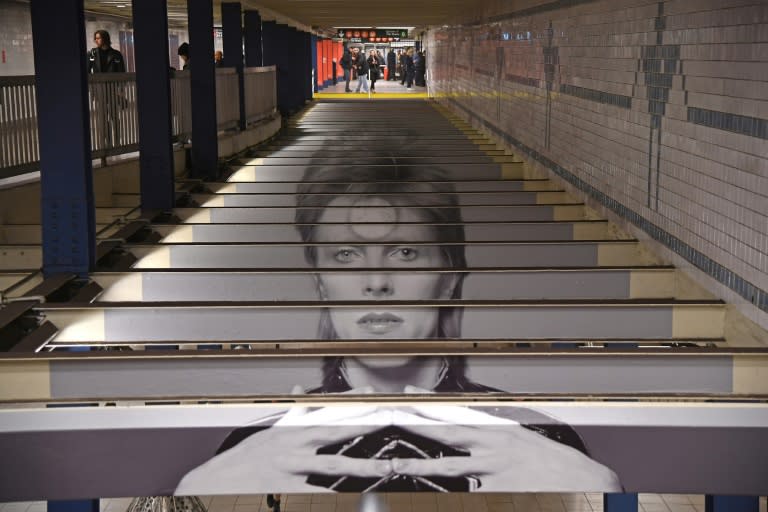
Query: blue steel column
[
  {"x": 714, "y": 503},
  {"x": 315, "y": 61},
  {"x": 620, "y": 502},
  {"x": 253, "y": 51},
  {"x": 232, "y": 28},
  {"x": 205, "y": 149},
  {"x": 153, "y": 90},
  {"x": 66, "y": 174},
  {"x": 306, "y": 43}
]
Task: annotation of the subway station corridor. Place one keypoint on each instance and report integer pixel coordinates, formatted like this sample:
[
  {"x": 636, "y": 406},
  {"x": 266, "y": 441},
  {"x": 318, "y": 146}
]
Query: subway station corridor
[
  {"x": 397, "y": 212},
  {"x": 527, "y": 275}
]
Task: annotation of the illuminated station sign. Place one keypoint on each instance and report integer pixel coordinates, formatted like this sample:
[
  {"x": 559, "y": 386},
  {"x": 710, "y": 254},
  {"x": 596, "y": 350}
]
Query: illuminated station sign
[{"x": 372, "y": 35}]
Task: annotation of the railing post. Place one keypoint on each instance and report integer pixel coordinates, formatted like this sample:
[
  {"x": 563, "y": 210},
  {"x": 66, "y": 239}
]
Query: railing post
[
  {"x": 150, "y": 24},
  {"x": 231, "y": 21},
  {"x": 66, "y": 173},
  {"x": 205, "y": 144}
]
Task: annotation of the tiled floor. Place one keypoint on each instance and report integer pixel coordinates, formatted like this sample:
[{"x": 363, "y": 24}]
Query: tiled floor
[{"x": 419, "y": 502}]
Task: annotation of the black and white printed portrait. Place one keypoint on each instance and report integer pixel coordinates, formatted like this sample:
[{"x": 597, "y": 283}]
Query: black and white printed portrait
[{"x": 360, "y": 231}]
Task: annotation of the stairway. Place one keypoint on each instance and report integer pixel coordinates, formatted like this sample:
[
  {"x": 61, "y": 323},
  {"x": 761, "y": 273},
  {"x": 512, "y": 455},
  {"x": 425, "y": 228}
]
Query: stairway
[{"x": 483, "y": 273}]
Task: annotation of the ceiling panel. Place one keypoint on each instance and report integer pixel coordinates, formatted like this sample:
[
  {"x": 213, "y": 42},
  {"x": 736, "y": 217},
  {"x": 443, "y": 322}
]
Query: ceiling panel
[{"x": 323, "y": 14}]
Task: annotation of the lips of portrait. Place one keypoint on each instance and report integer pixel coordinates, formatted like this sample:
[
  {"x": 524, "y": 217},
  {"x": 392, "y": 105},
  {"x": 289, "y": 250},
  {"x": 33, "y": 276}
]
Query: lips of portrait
[{"x": 355, "y": 250}]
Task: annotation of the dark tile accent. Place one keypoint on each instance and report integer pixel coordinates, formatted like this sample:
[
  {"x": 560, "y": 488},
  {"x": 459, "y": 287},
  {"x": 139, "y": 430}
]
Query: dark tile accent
[
  {"x": 725, "y": 276},
  {"x": 523, "y": 80},
  {"x": 752, "y": 126},
  {"x": 595, "y": 95}
]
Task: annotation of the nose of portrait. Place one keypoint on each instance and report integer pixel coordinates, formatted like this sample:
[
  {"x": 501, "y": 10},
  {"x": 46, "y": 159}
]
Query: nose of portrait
[{"x": 378, "y": 285}]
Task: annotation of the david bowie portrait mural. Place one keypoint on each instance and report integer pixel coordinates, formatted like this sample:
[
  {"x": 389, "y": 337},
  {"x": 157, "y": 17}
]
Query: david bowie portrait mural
[{"x": 380, "y": 222}]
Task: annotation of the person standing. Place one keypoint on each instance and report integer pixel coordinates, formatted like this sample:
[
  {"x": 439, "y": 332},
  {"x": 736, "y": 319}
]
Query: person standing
[
  {"x": 346, "y": 66},
  {"x": 108, "y": 98},
  {"x": 218, "y": 58},
  {"x": 401, "y": 61},
  {"x": 410, "y": 68},
  {"x": 103, "y": 58},
  {"x": 184, "y": 54},
  {"x": 391, "y": 64}
]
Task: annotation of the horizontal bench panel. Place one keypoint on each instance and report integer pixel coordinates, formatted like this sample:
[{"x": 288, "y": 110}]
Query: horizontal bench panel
[
  {"x": 230, "y": 376},
  {"x": 422, "y": 200},
  {"x": 631, "y": 440},
  {"x": 567, "y": 254},
  {"x": 473, "y": 232},
  {"x": 459, "y": 186},
  {"x": 296, "y": 173},
  {"x": 362, "y": 160},
  {"x": 270, "y": 321},
  {"x": 284, "y": 215},
  {"x": 296, "y": 286}
]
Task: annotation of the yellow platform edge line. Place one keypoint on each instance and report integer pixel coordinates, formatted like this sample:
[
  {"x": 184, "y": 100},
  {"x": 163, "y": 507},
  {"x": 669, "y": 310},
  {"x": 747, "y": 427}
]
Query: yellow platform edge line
[{"x": 377, "y": 96}]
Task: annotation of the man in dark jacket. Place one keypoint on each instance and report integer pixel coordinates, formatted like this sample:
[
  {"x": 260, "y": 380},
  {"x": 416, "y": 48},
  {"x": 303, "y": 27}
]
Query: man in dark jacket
[
  {"x": 346, "y": 65},
  {"x": 391, "y": 64},
  {"x": 104, "y": 58}
]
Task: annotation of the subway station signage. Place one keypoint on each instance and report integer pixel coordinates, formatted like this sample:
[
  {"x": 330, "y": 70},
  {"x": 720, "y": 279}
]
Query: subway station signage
[{"x": 372, "y": 35}]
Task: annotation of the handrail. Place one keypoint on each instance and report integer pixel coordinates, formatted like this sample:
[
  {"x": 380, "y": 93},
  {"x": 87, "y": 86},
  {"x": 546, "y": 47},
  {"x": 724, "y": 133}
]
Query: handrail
[{"x": 113, "y": 112}]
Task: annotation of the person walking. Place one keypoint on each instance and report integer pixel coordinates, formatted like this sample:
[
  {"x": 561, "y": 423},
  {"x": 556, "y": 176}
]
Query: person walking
[
  {"x": 361, "y": 66},
  {"x": 374, "y": 63}
]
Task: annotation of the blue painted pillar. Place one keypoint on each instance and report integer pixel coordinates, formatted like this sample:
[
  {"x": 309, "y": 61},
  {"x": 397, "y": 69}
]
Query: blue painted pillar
[
  {"x": 232, "y": 28},
  {"x": 620, "y": 502},
  {"x": 308, "y": 50},
  {"x": 315, "y": 62},
  {"x": 205, "y": 150},
  {"x": 66, "y": 174},
  {"x": 273, "y": 46},
  {"x": 72, "y": 505},
  {"x": 253, "y": 51},
  {"x": 153, "y": 90},
  {"x": 713, "y": 503}
]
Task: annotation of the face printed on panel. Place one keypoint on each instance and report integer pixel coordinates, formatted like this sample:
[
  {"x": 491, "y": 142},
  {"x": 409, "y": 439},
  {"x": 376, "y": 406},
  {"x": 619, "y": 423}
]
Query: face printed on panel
[{"x": 371, "y": 233}]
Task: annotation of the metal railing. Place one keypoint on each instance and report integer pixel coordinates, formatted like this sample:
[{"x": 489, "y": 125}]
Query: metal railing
[
  {"x": 227, "y": 111},
  {"x": 260, "y": 91},
  {"x": 114, "y": 115}
]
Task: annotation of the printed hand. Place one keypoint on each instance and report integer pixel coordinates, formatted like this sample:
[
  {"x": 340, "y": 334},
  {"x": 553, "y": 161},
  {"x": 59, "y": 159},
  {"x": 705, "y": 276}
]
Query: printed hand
[
  {"x": 505, "y": 456},
  {"x": 279, "y": 458}
]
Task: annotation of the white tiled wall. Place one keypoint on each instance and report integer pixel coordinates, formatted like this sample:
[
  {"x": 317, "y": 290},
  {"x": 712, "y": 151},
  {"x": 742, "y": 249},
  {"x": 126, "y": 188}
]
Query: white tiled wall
[{"x": 712, "y": 183}]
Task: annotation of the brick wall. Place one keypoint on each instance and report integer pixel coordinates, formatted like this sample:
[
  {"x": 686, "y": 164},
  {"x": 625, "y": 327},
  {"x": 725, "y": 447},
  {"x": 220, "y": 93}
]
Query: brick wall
[{"x": 656, "y": 110}]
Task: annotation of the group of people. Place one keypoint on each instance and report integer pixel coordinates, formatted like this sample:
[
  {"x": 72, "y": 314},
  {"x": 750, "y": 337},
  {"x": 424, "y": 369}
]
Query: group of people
[{"x": 409, "y": 65}]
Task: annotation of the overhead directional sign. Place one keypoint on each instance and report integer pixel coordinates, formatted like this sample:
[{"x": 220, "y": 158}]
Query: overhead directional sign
[{"x": 373, "y": 35}]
